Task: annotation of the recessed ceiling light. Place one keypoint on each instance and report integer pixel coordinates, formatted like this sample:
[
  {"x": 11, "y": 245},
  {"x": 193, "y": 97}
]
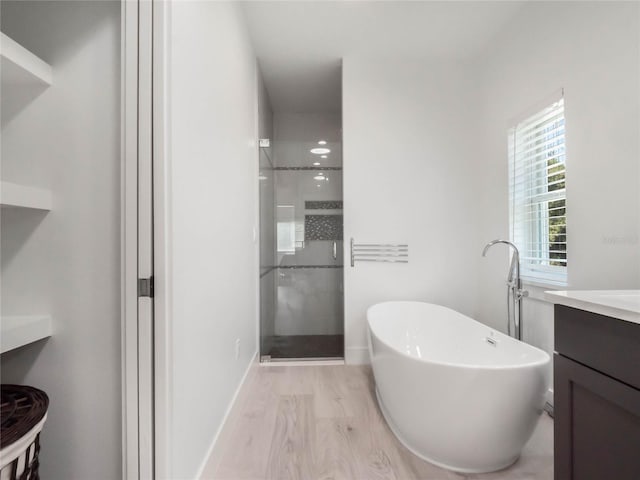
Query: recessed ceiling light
[
  {"x": 316, "y": 164},
  {"x": 322, "y": 142},
  {"x": 323, "y": 156},
  {"x": 319, "y": 151},
  {"x": 318, "y": 177}
]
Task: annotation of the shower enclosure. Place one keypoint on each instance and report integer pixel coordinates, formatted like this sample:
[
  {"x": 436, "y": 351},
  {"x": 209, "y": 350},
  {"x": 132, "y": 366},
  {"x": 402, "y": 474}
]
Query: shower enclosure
[{"x": 301, "y": 249}]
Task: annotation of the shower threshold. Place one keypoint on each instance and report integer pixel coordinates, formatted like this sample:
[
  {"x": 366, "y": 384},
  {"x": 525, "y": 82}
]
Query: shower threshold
[
  {"x": 304, "y": 347},
  {"x": 264, "y": 359}
]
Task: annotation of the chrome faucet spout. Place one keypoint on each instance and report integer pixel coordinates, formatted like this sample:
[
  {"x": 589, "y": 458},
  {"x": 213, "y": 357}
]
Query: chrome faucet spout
[
  {"x": 514, "y": 267},
  {"x": 515, "y": 292},
  {"x": 493, "y": 242}
]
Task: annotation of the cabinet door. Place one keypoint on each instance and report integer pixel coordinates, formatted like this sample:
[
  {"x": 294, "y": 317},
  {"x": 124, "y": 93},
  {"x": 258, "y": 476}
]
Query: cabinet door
[{"x": 597, "y": 425}]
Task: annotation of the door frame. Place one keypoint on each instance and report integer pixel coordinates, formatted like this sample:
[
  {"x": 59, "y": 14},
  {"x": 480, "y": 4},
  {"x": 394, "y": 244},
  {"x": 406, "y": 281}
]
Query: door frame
[
  {"x": 162, "y": 228},
  {"x": 146, "y": 385},
  {"x": 137, "y": 232},
  {"x": 129, "y": 237}
]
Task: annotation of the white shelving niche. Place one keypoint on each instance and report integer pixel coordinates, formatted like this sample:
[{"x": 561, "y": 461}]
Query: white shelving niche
[
  {"x": 19, "y": 69},
  {"x": 17, "y": 331},
  {"x": 13, "y": 195}
]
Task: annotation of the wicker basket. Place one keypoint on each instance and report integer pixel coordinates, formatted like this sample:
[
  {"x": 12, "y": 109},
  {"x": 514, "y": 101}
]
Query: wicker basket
[{"x": 24, "y": 411}]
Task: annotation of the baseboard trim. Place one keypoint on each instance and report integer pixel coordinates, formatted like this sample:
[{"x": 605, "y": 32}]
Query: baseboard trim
[
  {"x": 548, "y": 405},
  {"x": 356, "y": 356},
  {"x": 212, "y": 457},
  {"x": 549, "y": 396}
]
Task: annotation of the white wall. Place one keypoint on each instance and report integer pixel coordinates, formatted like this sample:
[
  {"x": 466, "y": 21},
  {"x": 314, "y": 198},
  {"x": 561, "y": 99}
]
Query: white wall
[
  {"x": 592, "y": 51},
  {"x": 265, "y": 111},
  {"x": 297, "y": 133},
  {"x": 213, "y": 209},
  {"x": 410, "y": 170},
  {"x": 67, "y": 262}
]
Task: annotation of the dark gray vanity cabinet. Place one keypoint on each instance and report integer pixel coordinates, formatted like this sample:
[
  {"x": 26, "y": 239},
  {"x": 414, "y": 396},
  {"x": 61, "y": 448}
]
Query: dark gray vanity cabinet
[{"x": 597, "y": 397}]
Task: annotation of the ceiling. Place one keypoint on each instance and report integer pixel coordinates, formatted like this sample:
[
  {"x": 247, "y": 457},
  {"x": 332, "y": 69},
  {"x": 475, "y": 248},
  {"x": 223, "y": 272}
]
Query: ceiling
[{"x": 300, "y": 44}]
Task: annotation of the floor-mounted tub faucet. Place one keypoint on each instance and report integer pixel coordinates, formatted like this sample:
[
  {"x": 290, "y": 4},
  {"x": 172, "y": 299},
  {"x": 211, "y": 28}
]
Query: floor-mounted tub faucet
[{"x": 515, "y": 293}]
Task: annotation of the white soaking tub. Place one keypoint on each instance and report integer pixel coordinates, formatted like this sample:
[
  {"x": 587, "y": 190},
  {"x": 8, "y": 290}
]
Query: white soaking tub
[{"x": 455, "y": 392}]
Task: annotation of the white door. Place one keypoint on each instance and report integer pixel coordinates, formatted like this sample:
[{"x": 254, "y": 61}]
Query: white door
[{"x": 138, "y": 298}]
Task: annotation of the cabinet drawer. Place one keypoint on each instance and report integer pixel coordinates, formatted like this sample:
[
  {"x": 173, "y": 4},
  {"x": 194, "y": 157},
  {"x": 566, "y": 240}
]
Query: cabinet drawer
[{"x": 609, "y": 345}]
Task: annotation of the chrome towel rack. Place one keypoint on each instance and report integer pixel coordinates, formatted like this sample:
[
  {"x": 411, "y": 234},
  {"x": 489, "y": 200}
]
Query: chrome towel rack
[{"x": 379, "y": 252}]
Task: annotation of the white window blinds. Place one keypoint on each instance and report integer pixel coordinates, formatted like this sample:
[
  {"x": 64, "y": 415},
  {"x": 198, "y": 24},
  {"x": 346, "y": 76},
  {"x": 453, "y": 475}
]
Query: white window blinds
[{"x": 537, "y": 194}]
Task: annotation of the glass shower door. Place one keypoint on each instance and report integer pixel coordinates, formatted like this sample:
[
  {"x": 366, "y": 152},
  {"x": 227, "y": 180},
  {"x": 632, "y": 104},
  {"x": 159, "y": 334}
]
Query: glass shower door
[
  {"x": 268, "y": 271},
  {"x": 305, "y": 314}
]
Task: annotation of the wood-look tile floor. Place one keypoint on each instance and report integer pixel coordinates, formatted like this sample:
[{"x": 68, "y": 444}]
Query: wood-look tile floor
[{"x": 323, "y": 422}]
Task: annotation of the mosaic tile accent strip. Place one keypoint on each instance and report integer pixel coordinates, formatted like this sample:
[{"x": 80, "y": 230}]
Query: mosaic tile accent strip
[
  {"x": 322, "y": 227},
  {"x": 266, "y": 270},
  {"x": 310, "y": 266},
  {"x": 323, "y": 205},
  {"x": 307, "y": 168}
]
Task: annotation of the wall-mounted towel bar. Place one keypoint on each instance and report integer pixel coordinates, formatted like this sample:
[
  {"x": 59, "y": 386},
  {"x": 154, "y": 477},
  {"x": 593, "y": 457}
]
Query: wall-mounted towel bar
[{"x": 379, "y": 252}]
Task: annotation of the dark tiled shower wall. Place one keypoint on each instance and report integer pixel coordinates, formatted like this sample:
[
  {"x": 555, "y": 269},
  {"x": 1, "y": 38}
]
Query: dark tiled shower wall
[
  {"x": 323, "y": 227},
  {"x": 323, "y": 205}
]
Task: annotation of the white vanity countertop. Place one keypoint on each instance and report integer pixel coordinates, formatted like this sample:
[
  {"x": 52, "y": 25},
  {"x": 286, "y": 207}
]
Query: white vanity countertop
[{"x": 622, "y": 304}]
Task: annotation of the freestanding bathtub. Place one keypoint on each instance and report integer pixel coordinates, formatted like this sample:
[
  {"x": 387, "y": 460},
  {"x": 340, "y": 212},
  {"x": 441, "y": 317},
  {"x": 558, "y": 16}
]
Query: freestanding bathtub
[{"x": 455, "y": 392}]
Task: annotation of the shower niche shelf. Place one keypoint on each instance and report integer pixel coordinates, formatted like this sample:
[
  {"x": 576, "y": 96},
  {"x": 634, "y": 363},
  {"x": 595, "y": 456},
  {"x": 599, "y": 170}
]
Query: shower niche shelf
[
  {"x": 18, "y": 331},
  {"x": 21, "y": 67},
  {"x": 13, "y": 195}
]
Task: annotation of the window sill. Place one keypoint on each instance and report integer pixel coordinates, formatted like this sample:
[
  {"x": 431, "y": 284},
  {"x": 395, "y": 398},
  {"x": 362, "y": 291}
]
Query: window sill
[
  {"x": 537, "y": 286},
  {"x": 544, "y": 283}
]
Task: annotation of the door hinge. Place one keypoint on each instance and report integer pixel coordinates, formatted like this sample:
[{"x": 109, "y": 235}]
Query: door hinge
[{"x": 145, "y": 287}]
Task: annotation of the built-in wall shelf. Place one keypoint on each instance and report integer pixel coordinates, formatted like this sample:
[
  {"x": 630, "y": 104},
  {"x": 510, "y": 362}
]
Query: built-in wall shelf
[
  {"x": 17, "y": 331},
  {"x": 21, "y": 67},
  {"x": 22, "y": 196}
]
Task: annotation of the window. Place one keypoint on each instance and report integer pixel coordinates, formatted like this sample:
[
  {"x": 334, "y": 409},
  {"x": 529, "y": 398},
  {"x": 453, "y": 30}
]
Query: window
[
  {"x": 286, "y": 229},
  {"x": 537, "y": 194}
]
